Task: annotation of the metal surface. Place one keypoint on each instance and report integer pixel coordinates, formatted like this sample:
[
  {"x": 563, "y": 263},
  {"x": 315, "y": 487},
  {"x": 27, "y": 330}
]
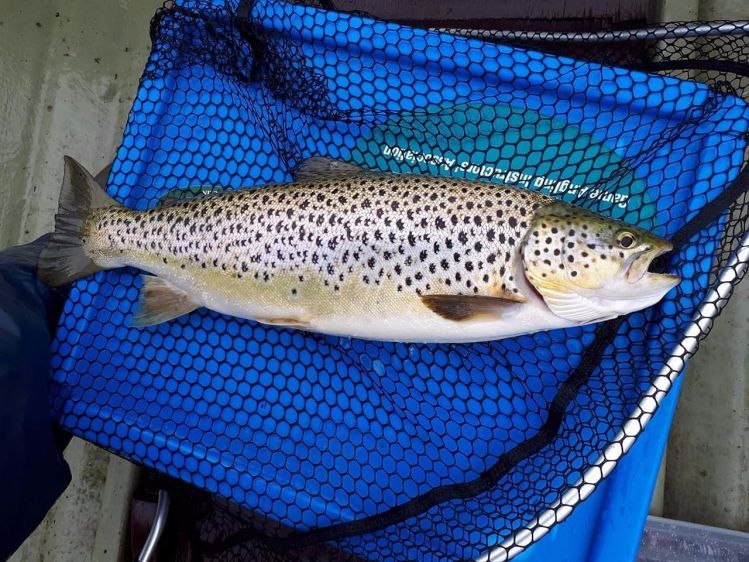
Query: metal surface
[
  {"x": 157, "y": 528},
  {"x": 679, "y": 541}
]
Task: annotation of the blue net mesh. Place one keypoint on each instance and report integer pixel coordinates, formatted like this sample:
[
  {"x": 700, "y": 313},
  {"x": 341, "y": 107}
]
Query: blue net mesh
[{"x": 343, "y": 448}]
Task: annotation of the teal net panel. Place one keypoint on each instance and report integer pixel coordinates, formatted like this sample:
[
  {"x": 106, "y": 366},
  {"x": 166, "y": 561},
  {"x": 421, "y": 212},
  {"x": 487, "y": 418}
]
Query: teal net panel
[{"x": 352, "y": 449}]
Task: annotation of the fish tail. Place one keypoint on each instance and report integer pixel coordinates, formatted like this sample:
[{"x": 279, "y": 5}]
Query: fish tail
[{"x": 64, "y": 259}]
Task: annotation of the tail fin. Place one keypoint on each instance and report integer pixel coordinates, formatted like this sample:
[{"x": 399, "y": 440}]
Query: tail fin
[{"x": 63, "y": 259}]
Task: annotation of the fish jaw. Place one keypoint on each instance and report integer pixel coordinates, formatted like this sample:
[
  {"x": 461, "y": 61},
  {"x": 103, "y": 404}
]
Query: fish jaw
[{"x": 638, "y": 287}]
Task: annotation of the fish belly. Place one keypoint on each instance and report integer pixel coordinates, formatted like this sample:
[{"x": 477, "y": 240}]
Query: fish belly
[{"x": 419, "y": 327}]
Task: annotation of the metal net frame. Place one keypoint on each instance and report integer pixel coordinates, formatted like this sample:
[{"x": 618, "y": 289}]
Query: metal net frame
[{"x": 449, "y": 452}]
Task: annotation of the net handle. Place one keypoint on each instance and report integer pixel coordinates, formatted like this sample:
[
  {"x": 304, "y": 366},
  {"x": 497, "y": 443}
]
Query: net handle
[{"x": 703, "y": 29}]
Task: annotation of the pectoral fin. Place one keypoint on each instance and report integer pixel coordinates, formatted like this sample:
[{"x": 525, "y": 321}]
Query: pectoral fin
[
  {"x": 466, "y": 307},
  {"x": 571, "y": 306},
  {"x": 160, "y": 301}
]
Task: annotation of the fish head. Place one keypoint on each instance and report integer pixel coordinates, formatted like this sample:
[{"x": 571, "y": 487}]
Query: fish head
[{"x": 589, "y": 268}]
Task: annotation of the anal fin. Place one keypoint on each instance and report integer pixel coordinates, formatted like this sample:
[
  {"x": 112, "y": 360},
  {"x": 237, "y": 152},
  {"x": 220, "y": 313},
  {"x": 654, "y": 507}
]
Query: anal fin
[
  {"x": 160, "y": 301},
  {"x": 466, "y": 307}
]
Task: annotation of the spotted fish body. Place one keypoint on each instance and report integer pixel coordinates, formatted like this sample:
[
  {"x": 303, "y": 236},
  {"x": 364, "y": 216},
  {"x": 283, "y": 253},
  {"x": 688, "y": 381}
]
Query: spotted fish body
[{"x": 363, "y": 254}]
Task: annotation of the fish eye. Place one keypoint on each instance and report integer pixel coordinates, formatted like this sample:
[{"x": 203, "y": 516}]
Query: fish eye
[{"x": 626, "y": 239}]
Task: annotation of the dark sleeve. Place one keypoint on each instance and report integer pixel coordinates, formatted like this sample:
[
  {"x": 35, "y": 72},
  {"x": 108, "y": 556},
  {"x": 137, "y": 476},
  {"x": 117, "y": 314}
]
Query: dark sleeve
[{"x": 32, "y": 471}]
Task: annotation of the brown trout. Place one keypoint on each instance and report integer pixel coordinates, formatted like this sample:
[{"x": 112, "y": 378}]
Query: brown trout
[{"x": 365, "y": 254}]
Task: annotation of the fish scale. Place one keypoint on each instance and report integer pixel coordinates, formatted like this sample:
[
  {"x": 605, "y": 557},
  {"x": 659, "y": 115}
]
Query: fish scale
[
  {"x": 424, "y": 234},
  {"x": 349, "y": 252}
]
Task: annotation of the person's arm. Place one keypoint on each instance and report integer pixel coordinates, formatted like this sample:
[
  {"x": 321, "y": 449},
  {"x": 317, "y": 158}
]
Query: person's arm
[{"x": 32, "y": 471}]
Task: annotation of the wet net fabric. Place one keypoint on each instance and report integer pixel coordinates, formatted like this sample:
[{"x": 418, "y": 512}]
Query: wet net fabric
[{"x": 334, "y": 448}]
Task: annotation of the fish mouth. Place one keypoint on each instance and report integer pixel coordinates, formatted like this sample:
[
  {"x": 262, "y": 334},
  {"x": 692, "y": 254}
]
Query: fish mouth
[{"x": 637, "y": 267}]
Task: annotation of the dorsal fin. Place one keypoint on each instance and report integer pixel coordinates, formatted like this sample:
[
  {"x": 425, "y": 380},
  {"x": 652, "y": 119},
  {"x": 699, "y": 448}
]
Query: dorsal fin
[
  {"x": 180, "y": 195},
  {"x": 319, "y": 167}
]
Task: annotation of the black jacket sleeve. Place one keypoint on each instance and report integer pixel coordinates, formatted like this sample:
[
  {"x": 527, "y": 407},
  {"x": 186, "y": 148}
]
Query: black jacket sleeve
[{"x": 32, "y": 471}]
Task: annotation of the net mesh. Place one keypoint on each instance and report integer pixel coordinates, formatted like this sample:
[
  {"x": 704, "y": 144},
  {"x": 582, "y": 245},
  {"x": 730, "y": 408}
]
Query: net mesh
[{"x": 333, "y": 448}]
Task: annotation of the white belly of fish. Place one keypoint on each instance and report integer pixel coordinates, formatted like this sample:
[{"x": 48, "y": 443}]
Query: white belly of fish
[{"x": 517, "y": 319}]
